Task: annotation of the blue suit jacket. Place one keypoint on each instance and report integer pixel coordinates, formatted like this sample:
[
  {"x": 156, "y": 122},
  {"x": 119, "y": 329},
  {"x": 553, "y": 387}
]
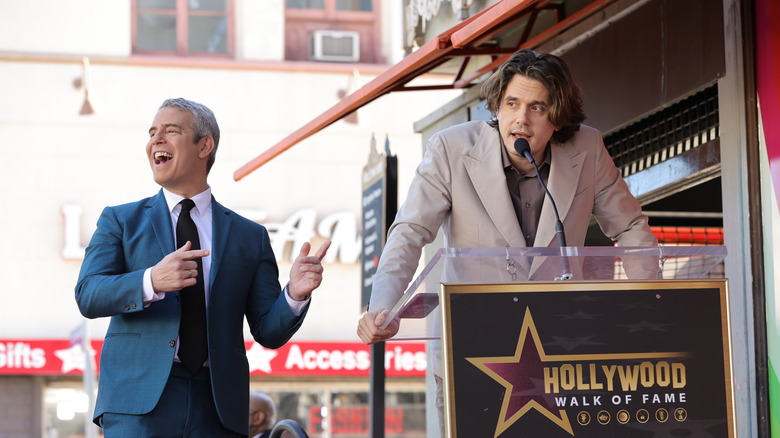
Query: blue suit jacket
[{"x": 140, "y": 342}]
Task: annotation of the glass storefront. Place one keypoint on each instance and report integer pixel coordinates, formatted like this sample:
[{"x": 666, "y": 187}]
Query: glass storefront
[
  {"x": 341, "y": 409},
  {"x": 325, "y": 408},
  {"x": 66, "y": 410}
]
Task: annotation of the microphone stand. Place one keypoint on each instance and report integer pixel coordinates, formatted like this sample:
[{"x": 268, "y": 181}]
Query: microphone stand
[{"x": 559, "y": 233}]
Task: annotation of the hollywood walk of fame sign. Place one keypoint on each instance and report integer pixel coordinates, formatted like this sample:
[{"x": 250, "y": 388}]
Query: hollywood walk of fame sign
[{"x": 588, "y": 359}]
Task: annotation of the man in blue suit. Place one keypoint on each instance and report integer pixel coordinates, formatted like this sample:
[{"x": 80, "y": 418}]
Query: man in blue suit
[{"x": 133, "y": 273}]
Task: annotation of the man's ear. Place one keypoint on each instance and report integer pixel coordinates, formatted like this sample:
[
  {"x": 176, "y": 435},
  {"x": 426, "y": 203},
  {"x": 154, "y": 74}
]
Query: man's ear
[{"x": 205, "y": 146}]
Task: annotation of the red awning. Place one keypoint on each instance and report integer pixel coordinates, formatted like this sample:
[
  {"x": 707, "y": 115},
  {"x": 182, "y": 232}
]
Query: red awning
[{"x": 511, "y": 22}]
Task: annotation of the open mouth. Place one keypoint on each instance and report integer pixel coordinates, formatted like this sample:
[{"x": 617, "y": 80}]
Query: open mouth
[{"x": 162, "y": 157}]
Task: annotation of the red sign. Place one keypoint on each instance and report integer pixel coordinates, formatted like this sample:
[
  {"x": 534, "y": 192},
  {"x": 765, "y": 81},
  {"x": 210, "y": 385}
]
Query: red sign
[
  {"x": 767, "y": 71},
  {"x": 355, "y": 420},
  {"x": 59, "y": 357},
  {"x": 334, "y": 359}
]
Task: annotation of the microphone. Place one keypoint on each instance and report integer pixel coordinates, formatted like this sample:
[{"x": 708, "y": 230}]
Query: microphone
[{"x": 523, "y": 148}]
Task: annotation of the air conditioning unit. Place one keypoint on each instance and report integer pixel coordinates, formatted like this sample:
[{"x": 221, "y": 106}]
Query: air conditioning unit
[{"x": 335, "y": 46}]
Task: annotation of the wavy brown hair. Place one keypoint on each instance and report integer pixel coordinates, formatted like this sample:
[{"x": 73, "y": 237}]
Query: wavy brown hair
[{"x": 565, "y": 95}]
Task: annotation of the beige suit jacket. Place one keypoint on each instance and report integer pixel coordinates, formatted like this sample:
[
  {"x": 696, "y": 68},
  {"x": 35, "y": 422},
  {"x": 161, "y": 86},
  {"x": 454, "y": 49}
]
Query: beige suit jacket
[{"x": 461, "y": 187}]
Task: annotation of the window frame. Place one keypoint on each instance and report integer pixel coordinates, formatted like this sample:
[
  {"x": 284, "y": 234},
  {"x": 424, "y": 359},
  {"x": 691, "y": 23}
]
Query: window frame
[
  {"x": 182, "y": 14},
  {"x": 329, "y": 18}
]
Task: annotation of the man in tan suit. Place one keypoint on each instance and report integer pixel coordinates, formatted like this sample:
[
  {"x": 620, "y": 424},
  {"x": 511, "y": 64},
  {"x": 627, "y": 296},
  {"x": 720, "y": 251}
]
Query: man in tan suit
[{"x": 482, "y": 193}]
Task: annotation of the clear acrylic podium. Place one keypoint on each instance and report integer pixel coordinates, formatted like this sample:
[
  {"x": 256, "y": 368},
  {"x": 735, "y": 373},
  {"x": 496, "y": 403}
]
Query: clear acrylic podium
[{"x": 419, "y": 317}]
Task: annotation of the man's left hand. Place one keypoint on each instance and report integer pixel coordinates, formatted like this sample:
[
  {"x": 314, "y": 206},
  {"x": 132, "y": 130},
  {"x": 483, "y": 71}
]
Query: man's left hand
[{"x": 306, "y": 272}]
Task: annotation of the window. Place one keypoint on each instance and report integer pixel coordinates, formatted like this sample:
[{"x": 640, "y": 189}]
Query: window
[
  {"x": 340, "y": 5},
  {"x": 66, "y": 409},
  {"x": 183, "y": 27},
  {"x": 354, "y": 5},
  {"x": 346, "y": 414},
  {"x": 333, "y": 31},
  {"x": 306, "y": 4}
]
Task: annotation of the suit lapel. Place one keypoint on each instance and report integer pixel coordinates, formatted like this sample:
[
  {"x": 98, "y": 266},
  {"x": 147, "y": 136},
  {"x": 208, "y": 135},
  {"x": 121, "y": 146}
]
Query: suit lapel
[
  {"x": 220, "y": 230},
  {"x": 562, "y": 183},
  {"x": 160, "y": 220},
  {"x": 484, "y": 167}
]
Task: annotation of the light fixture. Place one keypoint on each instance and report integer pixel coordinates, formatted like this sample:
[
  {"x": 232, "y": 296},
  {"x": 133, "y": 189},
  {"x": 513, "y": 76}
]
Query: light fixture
[
  {"x": 84, "y": 82},
  {"x": 353, "y": 83}
]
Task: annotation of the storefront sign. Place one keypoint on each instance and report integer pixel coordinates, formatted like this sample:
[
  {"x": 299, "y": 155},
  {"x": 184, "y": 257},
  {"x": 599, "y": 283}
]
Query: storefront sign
[
  {"x": 60, "y": 357},
  {"x": 287, "y": 237}
]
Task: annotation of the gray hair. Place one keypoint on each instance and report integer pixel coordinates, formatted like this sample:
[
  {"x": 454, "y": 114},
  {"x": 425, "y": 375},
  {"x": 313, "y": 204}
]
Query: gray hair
[
  {"x": 204, "y": 124},
  {"x": 262, "y": 402}
]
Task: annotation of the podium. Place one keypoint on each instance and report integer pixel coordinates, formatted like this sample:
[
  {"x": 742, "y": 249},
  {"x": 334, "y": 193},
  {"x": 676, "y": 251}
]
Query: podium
[{"x": 577, "y": 341}]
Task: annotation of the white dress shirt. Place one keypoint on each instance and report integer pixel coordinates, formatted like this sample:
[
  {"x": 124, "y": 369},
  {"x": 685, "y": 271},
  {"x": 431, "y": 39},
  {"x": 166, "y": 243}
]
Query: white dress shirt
[{"x": 202, "y": 216}]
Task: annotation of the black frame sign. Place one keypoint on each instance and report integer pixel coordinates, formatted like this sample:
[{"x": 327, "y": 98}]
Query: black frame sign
[
  {"x": 380, "y": 201},
  {"x": 620, "y": 359}
]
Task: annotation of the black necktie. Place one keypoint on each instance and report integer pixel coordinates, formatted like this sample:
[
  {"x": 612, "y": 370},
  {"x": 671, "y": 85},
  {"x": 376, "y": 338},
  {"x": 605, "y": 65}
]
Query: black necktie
[{"x": 193, "y": 347}]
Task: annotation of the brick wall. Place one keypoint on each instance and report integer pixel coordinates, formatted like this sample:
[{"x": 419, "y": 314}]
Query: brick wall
[{"x": 20, "y": 407}]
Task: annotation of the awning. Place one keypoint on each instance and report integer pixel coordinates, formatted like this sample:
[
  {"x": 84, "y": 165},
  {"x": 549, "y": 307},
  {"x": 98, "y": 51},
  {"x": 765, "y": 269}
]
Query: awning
[{"x": 495, "y": 32}]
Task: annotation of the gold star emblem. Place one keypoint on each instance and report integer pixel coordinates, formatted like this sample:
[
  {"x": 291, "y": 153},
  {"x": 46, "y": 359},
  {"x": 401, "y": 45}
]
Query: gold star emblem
[
  {"x": 522, "y": 376},
  {"x": 517, "y": 374}
]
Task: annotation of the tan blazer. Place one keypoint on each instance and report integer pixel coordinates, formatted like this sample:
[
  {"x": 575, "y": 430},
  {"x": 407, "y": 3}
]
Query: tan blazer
[{"x": 461, "y": 187}]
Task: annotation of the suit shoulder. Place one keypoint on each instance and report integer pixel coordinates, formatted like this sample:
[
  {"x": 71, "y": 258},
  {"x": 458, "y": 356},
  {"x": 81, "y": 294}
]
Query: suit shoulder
[
  {"x": 470, "y": 129},
  {"x": 463, "y": 135},
  {"x": 585, "y": 138},
  {"x": 586, "y": 133},
  {"x": 130, "y": 207},
  {"x": 236, "y": 218}
]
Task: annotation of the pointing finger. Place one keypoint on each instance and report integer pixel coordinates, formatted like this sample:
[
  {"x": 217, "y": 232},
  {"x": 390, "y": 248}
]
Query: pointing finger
[
  {"x": 198, "y": 253},
  {"x": 186, "y": 247},
  {"x": 323, "y": 250},
  {"x": 305, "y": 248}
]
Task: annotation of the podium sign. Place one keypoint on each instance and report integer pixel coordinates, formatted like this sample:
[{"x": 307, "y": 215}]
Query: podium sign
[{"x": 588, "y": 359}]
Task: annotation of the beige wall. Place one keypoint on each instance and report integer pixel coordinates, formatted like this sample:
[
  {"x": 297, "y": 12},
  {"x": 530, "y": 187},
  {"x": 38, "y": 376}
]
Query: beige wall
[{"x": 55, "y": 157}]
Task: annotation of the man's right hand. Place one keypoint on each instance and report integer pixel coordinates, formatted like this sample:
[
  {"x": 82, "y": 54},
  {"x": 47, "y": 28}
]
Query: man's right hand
[
  {"x": 177, "y": 270},
  {"x": 368, "y": 327}
]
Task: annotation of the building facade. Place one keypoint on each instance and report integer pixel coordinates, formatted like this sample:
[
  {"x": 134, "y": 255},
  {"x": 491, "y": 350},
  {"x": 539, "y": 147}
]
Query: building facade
[
  {"x": 80, "y": 84},
  {"x": 81, "y": 81}
]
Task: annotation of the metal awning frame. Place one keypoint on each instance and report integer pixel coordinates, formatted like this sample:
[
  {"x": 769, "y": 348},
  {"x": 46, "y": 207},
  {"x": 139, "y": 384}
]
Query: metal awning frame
[{"x": 465, "y": 40}]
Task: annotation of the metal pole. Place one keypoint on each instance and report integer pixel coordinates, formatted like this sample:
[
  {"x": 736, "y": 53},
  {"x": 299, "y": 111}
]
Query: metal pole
[
  {"x": 376, "y": 395},
  {"x": 90, "y": 429}
]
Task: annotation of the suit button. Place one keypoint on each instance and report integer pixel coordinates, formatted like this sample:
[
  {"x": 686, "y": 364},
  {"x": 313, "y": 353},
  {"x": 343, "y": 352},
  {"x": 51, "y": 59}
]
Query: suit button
[
  {"x": 127, "y": 307},
  {"x": 133, "y": 305},
  {"x": 172, "y": 343}
]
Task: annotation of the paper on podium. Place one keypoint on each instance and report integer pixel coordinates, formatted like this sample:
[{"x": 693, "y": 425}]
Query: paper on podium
[{"x": 417, "y": 310}]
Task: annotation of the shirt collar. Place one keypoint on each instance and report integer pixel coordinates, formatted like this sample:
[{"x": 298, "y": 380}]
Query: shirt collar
[
  {"x": 505, "y": 157},
  {"x": 202, "y": 200},
  {"x": 547, "y": 157}
]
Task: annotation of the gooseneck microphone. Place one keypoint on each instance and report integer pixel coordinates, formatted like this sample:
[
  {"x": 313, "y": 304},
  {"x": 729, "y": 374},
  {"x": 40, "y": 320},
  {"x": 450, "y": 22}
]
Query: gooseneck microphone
[{"x": 523, "y": 148}]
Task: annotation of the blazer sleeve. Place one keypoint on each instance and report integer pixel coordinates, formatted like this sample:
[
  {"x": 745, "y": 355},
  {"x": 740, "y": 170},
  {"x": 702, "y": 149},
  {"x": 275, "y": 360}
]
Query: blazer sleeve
[
  {"x": 104, "y": 286},
  {"x": 268, "y": 314},
  {"x": 618, "y": 212},
  {"x": 620, "y": 216},
  {"x": 428, "y": 203}
]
